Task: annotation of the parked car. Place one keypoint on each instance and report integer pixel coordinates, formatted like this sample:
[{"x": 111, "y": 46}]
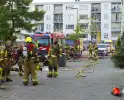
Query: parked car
[{"x": 102, "y": 49}]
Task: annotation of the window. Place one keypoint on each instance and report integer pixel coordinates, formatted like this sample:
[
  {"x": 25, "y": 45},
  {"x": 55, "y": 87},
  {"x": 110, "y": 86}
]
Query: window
[
  {"x": 48, "y": 8},
  {"x": 116, "y": 16},
  {"x": 96, "y": 17},
  {"x": 68, "y": 7},
  {"x": 69, "y": 26},
  {"x": 47, "y": 17},
  {"x": 105, "y": 25},
  {"x": 105, "y": 6},
  {"x": 116, "y": 25},
  {"x": 58, "y": 8},
  {"x": 105, "y": 35},
  {"x": 39, "y": 7},
  {"x": 116, "y": 7},
  {"x": 105, "y": 16},
  {"x": 96, "y": 7},
  {"x": 48, "y": 26},
  {"x": 84, "y": 26},
  {"x": 114, "y": 34},
  {"x": 83, "y": 16},
  {"x": 71, "y": 17},
  {"x": 83, "y": 7},
  {"x": 58, "y": 18}
]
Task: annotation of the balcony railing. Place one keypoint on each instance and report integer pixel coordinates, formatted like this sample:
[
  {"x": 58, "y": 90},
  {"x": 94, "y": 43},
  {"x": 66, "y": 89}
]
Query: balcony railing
[
  {"x": 96, "y": 10},
  {"x": 116, "y": 20},
  {"x": 58, "y": 21},
  {"x": 58, "y": 30},
  {"x": 116, "y": 29},
  {"x": 58, "y": 11},
  {"x": 116, "y": 9},
  {"x": 96, "y": 20}
]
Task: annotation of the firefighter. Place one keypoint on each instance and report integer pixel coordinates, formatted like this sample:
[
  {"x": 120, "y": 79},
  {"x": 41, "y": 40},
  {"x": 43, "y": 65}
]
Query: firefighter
[
  {"x": 7, "y": 60},
  {"x": 20, "y": 59},
  {"x": 90, "y": 49},
  {"x": 95, "y": 51},
  {"x": 2, "y": 73},
  {"x": 30, "y": 63},
  {"x": 67, "y": 50},
  {"x": 37, "y": 50},
  {"x": 53, "y": 57}
]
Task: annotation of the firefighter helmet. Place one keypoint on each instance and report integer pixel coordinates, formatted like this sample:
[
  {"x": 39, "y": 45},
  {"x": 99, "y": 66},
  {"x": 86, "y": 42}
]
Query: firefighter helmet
[{"x": 28, "y": 39}]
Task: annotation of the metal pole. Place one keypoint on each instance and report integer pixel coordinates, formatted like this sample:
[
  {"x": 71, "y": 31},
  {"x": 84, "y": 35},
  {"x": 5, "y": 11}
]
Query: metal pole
[
  {"x": 77, "y": 16},
  {"x": 122, "y": 15}
]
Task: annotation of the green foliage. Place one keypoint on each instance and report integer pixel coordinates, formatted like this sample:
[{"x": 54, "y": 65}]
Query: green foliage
[
  {"x": 93, "y": 29},
  {"x": 118, "y": 43},
  {"x": 16, "y": 16},
  {"x": 77, "y": 33},
  {"x": 118, "y": 58}
]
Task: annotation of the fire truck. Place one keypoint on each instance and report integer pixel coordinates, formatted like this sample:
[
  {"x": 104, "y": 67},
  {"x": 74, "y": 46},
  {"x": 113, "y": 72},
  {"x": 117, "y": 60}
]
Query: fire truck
[{"x": 44, "y": 40}]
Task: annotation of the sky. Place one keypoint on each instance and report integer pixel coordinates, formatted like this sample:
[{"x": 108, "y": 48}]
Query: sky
[{"x": 60, "y": 0}]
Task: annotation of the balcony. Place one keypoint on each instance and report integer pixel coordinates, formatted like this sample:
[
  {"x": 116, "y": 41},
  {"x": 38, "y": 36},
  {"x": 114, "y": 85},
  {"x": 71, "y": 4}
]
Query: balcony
[
  {"x": 96, "y": 17},
  {"x": 116, "y": 20},
  {"x": 58, "y": 30},
  {"x": 95, "y": 10},
  {"x": 58, "y": 9},
  {"x": 115, "y": 9},
  {"x": 58, "y": 21},
  {"x": 58, "y": 27},
  {"x": 58, "y": 18},
  {"x": 96, "y": 20},
  {"x": 116, "y": 29}
]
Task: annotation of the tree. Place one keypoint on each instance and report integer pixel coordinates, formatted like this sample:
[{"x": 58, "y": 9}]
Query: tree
[
  {"x": 19, "y": 16},
  {"x": 118, "y": 58},
  {"x": 93, "y": 30},
  {"x": 4, "y": 25}
]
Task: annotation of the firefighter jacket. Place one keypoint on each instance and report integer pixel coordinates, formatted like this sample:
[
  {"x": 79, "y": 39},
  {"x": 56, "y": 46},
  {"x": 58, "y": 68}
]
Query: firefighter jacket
[{"x": 55, "y": 50}]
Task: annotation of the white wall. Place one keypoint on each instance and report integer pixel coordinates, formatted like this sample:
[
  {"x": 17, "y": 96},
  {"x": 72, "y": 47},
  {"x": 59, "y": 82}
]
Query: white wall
[
  {"x": 49, "y": 13},
  {"x": 69, "y": 20},
  {"x": 105, "y": 11}
]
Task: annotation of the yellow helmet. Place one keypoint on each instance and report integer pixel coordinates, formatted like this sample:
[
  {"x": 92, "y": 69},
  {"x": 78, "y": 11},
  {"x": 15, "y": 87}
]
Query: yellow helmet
[
  {"x": 28, "y": 39},
  {"x": 1, "y": 52}
]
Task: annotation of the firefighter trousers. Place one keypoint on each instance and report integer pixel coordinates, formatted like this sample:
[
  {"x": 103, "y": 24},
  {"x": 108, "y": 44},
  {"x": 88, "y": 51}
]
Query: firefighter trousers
[
  {"x": 7, "y": 68},
  {"x": 53, "y": 66},
  {"x": 90, "y": 53},
  {"x": 29, "y": 69},
  {"x": 20, "y": 64}
]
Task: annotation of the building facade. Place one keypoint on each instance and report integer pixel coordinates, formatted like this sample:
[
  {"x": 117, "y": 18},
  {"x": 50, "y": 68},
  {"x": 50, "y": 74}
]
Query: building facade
[{"x": 93, "y": 17}]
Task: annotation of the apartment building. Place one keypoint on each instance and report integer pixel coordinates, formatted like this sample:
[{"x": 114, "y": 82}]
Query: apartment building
[{"x": 104, "y": 16}]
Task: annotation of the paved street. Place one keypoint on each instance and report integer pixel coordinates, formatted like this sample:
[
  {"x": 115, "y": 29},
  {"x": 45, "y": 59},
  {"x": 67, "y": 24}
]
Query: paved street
[{"x": 96, "y": 86}]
